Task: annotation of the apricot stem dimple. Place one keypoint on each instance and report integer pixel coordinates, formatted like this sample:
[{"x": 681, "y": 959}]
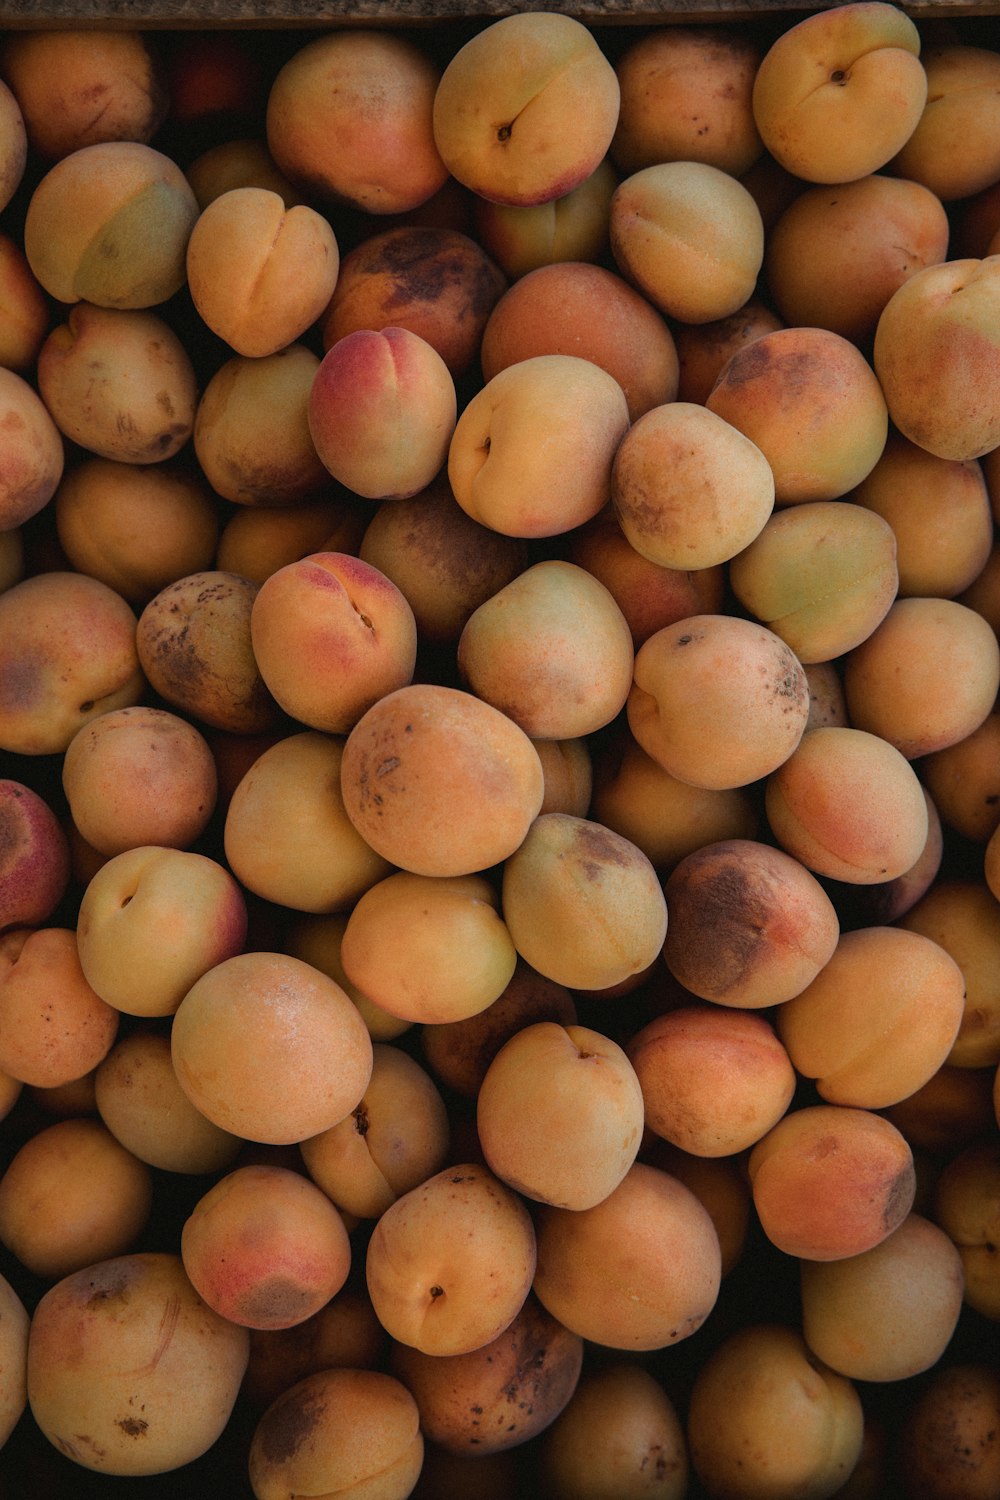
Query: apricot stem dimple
[
  {"x": 504, "y": 133},
  {"x": 840, "y": 75}
]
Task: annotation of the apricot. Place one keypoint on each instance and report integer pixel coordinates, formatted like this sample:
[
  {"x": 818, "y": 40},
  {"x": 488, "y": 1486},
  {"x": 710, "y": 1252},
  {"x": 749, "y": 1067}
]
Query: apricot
[
  {"x": 238, "y": 163},
  {"x": 963, "y": 780},
  {"x": 251, "y": 429},
  {"x": 966, "y": 1205},
  {"x": 343, "y": 1335},
  {"x": 435, "y": 282},
  {"x": 503, "y": 99},
  {"x": 949, "y": 1442},
  {"x": 450, "y": 1263},
  {"x": 963, "y": 917},
  {"x": 849, "y": 805},
  {"x": 619, "y": 1428},
  {"x": 24, "y": 309},
  {"x": 811, "y": 402},
  {"x": 703, "y": 348},
  {"x": 943, "y": 320},
  {"x": 749, "y": 925},
  {"x": 831, "y": 1181},
  {"x": 887, "y": 1313},
  {"x": 762, "y": 1392},
  {"x": 127, "y": 1382},
  {"x": 552, "y": 650},
  {"x": 260, "y": 274},
  {"x": 583, "y": 905},
  {"x": 54, "y": 1027},
  {"x": 258, "y": 540},
  {"x": 686, "y": 95},
  {"x": 70, "y": 1196},
  {"x": 837, "y": 95},
  {"x": 318, "y": 939},
  {"x": 878, "y": 1020},
  {"x": 571, "y": 307},
  {"x": 14, "y": 157},
  {"x": 948, "y": 1113},
  {"x": 33, "y": 449},
  {"x": 638, "y": 1271},
  {"x": 382, "y": 410},
  {"x": 353, "y": 1433},
  {"x": 499, "y": 1396},
  {"x": 14, "y": 1344},
  {"x": 392, "y": 1141},
  {"x": 35, "y": 866},
  {"x": 139, "y": 776},
  {"x": 532, "y": 451},
  {"x": 693, "y": 680},
  {"x": 438, "y": 782},
  {"x": 690, "y": 237},
  {"x": 523, "y": 237},
  {"x": 952, "y": 150},
  {"x": 265, "y": 1247},
  {"x": 270, "y": 1049},
  {"x": 331, "y": 635}
]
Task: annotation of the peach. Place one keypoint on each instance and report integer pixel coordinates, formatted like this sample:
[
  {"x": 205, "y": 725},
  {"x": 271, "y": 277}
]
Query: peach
[
  {"x": 831, "y": 1181},
  {"x": 939, "y": 511},
  {"x": 942, "y": 321},
  {"x": 67, "y": 655},
  {"x": 260, "y": 275},
  {"x": 686, "y": 95},
  {"x": 33, "y": 452},
  {"x": 618, "y": 1429},
  {"x": 837, "y": 254},
  {"x": 849, "y": 806},
  {"x": 14, "y": 157},
  {"x": 318, "y": 940},
  {"x": 445, "y": 563},
  {"x": 258, "y": 540},
  {"x": 139, "y": 1099},
  {"x": 666, "y": 818},
  {"x": 24, "y": 309},
  {"x": 70, "y": 1196},
  {"x": 714, "y": 1080},
  {"x": 559, "y": 1114},
  {"x": 127, "y": 1382},
  {"x": 963, "y": 780},
  {"x": 331, "y": 635},
  {"x": 109, "y": 224},
  {"x": 953, "y": 148},
  {"x": 837, "y": 95},
  {"x": 951, "y": 1428},
  {"x": 887, "y": 1313},
  {"x": 648, "y": 595},
  {"x": 695, "y": 679},
  {"x": 749, "y": 925},
  {"x": 966, "y": 1205},
  {"x": 522, "y": 237},
  {"x": 381, "y": 412},
  {"x": 437, "y": 283},
  {"x": 878, "y": 1020},
  {"x": 239, "y": 163},
  {"x": 251, "y": 430},
  {"x": 35, "y": 866},
  {"x": 583, "y": 905},
  {"x": 571, "y": 307},
  {"x": 552, "y": 650},
  {"x": 638, "y": 1271},
  {"x": 450, "y": 1263},
  {"x": 270, "y": 1049},
  {"x": 504, "y": 97},
  {"x": 194, "y": 644},
  {"x": 265, "y": 1248},
  {"x": 821, "y": 575},
  {"x": 352, "y": 1433},
  {"x": 690, "y": 237},
  {"x": 703, "y": 348},
  {"x": 963, "y": 917},
  {"x": 395, "y": 1138},
  {"x": 531, "y": 453},
  {"x": 763, "y": 1391},
  {"x": 926, "y": 677},
  {"x": 287, "y": 835},
  {"x": 54, "y": 1027},
  {"x": 139, "y": 776},
  {"x": 136, "y": 527},
  {"x": 119, "y": 382},
  {"x": 78, "y": 86},
  {"x": 429, "y": 948},
  {"x": 152, "y": 920},
  {"x": 438, "y": 782},
  {"x": 689, "y": 490},
  {"x": 810, "y": 401},
  {"x": 459, "y": 1052},
  {"x": 373, "y": 91}
]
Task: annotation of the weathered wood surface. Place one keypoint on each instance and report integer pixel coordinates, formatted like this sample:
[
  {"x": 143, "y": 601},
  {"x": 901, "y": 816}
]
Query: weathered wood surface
[{"x": 294, "y": 14}]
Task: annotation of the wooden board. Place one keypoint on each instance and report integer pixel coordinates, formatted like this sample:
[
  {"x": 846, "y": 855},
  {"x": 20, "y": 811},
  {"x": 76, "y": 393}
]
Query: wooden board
[{"x": 296, "y": 14}]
